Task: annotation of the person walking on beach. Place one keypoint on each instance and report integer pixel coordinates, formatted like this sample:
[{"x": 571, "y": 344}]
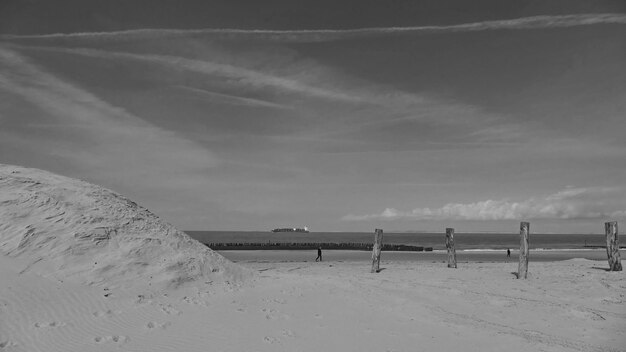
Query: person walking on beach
[
  {"x": 319, "y": 254},
  {"x": 508, "y": 253}
]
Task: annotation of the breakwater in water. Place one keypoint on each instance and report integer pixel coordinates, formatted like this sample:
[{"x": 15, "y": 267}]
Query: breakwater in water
[
  {"x": 463, "y": 241},
  {"x": 311, "y": 246}
]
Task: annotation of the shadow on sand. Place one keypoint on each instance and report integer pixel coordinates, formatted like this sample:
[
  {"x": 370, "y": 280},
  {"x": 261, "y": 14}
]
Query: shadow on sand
[
  {"x": 599, "y": 268},
  {"x": 516, "y": 274}
]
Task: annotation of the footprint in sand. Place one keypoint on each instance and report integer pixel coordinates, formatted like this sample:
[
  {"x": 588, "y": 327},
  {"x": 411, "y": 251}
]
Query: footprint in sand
[
  {"x": 51, "y": 324},
  {"x": 142, "y": 299},
  {"x": 108, "y": 313},
  {"x": 269, "y": 313},
  {"x": 241, "y": 308},
  {"x": 154, "y": 325},
  {"x": 193, "y": 300},
  {"x": 169, "y": 309},
  {"x": 274, "y": 300},
  {"x": 7, "y": 345},
  {"x": 119, "y": 339},
  {"x": 292, "y": 292},
  {"x": 288, "y": 333},
  {"x": 270, "y": 339}
]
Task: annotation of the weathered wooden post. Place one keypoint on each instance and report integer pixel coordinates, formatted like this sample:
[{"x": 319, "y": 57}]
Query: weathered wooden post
[
  {"x": 378, "y": 245},
  {"x": 450, "y": 248},
  {"x": 522, "y": 270},
  {"x": 612, "y": 246}
]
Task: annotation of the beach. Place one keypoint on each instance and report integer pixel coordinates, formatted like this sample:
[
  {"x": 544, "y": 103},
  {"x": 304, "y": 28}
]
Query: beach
[
  {"x": 465, "y": 256},
  {"x": 85, "y": 269},
  {"x": 571, "y": 305}
]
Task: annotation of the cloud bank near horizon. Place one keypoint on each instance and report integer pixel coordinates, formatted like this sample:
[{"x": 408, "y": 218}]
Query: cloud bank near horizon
[
  {"x": 572, "y": 203},
  {"x": 323, "y": 35}
]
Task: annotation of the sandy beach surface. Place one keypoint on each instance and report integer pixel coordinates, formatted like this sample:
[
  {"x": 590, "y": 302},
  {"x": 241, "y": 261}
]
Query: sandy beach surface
[{"x": 573, "y": 305}]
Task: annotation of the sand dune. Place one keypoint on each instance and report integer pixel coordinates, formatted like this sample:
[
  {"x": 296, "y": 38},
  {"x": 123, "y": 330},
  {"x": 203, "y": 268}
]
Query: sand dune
[{"x": 72, "y": 230}]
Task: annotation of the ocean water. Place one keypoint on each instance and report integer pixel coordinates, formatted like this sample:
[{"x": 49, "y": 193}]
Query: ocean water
[{"x": 463, "y": 241}]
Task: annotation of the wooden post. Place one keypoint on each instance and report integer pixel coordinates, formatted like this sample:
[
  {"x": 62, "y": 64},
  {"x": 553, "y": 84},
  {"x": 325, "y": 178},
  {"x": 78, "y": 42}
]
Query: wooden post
[
  {"x": 378, "y": 245},
  {"x": 522, "y": 270},
  {"x": 612, "y": 246},
  {"x": 450, "y": 248}
]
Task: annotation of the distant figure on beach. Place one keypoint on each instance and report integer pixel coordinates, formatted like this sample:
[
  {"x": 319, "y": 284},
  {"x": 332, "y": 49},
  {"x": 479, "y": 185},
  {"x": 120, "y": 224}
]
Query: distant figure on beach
[
  {"x": 508, "y": 253},
  {"x": 319, "y": 254}
]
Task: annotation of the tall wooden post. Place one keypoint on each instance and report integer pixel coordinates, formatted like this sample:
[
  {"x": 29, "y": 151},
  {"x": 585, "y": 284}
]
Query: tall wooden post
[
  {"x": 450, "y": 248},
  {"x": 612, "y": 246},
  {"x": 522, "y": 270},
  {"x": 378, "y": 245}
]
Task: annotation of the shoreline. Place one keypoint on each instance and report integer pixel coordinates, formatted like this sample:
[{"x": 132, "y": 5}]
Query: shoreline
[{"x": 405, "y": 256}]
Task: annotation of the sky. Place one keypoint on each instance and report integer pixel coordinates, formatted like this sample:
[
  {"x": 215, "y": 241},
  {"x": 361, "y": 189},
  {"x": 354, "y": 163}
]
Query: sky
[{"x": 336, "y": 115}]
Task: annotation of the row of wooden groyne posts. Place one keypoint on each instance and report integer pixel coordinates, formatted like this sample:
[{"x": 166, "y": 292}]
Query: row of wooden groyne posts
[
  {"x": 309, "y": 246},
  {"x": 610, "y": 230},
  {"x": 612, "y": 247}
]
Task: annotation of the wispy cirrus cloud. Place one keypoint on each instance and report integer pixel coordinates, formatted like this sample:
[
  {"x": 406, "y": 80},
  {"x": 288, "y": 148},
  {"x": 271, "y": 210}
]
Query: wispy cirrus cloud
[
  {"x": 243, "y": 76},
  {"x": 323, "y": 35},
  {"x": 94, "y": 136},
  {"x": 321, "y": 84},
  {"x": 572, "y": 203},
  {"x": 233, "y": 99}
]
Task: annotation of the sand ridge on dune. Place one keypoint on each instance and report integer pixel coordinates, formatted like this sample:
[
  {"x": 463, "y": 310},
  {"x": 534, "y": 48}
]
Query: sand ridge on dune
[{"x": 69, "y": 229}]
